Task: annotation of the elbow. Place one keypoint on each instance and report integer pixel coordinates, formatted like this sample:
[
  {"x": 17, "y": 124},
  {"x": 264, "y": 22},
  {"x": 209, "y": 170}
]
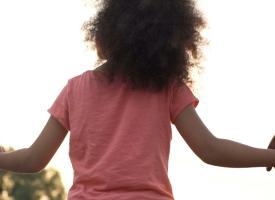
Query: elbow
[
  {"x": 33, "y": 168},
  {"x": 32, "y": 164},
  {"x": 211, "y": 153},
  {"x": 36, "y": 165},
  {"x": 209, "y": 159}
]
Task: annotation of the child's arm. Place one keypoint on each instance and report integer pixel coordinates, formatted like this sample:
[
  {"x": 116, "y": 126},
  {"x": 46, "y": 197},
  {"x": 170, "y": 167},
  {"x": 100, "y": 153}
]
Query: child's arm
[
  {"x": 219, "y": 152},
  {"x": 38, "y": 155}
]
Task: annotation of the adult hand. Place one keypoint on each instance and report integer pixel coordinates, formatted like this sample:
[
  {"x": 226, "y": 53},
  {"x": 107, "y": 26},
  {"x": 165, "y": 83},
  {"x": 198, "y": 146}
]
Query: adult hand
[
  {"x": 2, "y": 149},
  {"x": 271, "y": 146}
]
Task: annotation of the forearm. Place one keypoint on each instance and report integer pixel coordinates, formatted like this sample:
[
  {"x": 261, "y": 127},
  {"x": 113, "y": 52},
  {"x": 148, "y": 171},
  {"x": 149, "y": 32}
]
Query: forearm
[
  {"x": 227, "y": 153},
  {"x": 16, "y": 161}
]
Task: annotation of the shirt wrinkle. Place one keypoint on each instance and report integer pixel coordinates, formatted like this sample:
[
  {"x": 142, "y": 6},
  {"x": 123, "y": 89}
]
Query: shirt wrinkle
[{"x": 119, "y": 139}]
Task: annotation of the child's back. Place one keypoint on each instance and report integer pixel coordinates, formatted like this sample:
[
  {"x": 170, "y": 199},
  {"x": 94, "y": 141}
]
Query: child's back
[
  {"x": 119, "y": 138},
  {"x": 120, "y": 132}
]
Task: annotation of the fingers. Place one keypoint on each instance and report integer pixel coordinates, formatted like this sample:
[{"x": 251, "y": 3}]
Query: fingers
[
  {"x": 272, "y": 143},
  {"x": 268, "y": 169},
  {"x": 271, "y": 146}
]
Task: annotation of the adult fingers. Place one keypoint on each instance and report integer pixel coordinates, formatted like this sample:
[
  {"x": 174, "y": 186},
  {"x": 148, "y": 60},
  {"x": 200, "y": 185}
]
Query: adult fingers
[
  {"x": 2, "y": 149},
  {"x": 268, "y": 169},
  {"x": 272, "y": 143}
]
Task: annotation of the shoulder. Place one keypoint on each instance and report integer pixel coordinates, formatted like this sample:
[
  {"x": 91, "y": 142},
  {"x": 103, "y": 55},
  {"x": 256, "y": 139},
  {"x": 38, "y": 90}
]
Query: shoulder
[
  {"x": 80, "y": 77},
  {"x": 77, "y": 82}
]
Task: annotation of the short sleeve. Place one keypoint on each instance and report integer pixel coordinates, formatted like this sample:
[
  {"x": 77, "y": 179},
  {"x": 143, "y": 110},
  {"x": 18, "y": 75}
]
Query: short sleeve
[
  {"x": 60, "y": 109},
  {"x": 182, "y": 96}
]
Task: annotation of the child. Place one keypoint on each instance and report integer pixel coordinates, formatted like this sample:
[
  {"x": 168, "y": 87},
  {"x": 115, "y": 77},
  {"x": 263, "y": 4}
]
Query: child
[{"x": 119, "y": 115}]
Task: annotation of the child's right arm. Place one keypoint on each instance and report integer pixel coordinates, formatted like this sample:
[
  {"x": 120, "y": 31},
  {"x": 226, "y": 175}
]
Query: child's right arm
[
  {"x": 16, "y": 161},
  {"x": 216, "y": 151},
  {"x": 37, "y": 156}
]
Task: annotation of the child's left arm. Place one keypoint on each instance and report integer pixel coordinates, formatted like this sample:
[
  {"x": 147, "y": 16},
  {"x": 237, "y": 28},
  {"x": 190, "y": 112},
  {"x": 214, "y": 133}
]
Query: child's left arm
[{"x": 38, "y": 155}]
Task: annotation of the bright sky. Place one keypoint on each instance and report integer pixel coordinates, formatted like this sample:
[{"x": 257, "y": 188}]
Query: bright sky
[{"x": 41, "y": 48}]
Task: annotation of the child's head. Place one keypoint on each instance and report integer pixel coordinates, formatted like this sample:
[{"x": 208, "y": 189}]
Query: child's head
[{"x": 150, "y": 43}]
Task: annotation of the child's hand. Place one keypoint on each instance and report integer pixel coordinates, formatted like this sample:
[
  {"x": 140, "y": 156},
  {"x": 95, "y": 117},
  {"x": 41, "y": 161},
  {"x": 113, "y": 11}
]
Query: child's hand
[{"x": 271, "y": 146}]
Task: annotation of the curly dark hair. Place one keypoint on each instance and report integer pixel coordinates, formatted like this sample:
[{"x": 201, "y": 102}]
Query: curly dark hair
[{"x": 149, "y": 43}]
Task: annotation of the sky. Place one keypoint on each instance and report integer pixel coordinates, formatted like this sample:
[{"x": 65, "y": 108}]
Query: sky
[{"x": 41, "y": 47}]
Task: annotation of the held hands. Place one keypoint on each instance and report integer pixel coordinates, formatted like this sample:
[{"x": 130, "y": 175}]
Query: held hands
[
  {"x": 271, "y": 146},
  {"x": 2, "y": 149}
]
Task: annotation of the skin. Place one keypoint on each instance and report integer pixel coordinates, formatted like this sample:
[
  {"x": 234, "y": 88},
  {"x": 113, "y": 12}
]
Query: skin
[
  {"x": 271, "y": 146},
  {"x": 99, "y": 50},
  {"x": 216, "y": 151},
  {"x": 38, "y": 155},
  {"x": 206, "y": 146}
]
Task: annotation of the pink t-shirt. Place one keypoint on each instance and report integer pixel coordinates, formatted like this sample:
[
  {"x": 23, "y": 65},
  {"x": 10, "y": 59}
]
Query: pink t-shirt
[{"x": 119, "y": 138}]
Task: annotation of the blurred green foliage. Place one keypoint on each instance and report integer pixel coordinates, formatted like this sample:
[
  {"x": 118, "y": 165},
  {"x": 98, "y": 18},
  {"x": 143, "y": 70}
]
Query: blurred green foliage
[{"x": 44, "y": 185}]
